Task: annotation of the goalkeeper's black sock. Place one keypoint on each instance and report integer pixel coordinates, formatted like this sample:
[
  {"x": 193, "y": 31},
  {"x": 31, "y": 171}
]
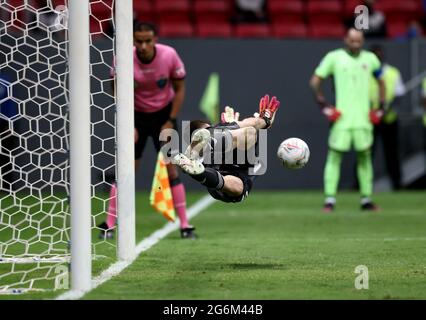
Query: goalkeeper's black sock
[{"x": 210, "y": 178}]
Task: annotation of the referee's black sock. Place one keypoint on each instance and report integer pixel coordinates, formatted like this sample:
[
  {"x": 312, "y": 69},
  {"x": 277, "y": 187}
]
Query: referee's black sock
[{"x": 210, "y": 178}]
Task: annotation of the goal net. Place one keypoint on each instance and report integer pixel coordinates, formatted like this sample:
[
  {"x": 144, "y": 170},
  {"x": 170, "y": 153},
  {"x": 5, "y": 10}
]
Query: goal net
[{"x": 34, "y": 140}]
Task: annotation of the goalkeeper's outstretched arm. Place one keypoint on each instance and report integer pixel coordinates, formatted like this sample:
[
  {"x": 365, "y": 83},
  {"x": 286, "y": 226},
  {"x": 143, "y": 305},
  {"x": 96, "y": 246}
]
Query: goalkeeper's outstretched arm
[
  {"x": 230, "y": 116},
  {"x": 257, "y": 123},
  {"x": 262, "y": 120}
]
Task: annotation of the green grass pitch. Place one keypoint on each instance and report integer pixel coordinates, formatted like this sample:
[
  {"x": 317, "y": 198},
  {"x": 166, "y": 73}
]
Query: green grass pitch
[{"x": 280, "y": 245}]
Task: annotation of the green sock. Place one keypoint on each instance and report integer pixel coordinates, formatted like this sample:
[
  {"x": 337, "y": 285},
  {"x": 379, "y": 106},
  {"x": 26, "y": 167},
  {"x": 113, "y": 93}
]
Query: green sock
[
  {"x": 332, "y": 172},
  {"x": 365, "y": 173}
]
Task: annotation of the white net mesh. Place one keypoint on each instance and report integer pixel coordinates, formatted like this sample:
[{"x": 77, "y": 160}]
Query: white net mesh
[{"x": 34, "y": 136}]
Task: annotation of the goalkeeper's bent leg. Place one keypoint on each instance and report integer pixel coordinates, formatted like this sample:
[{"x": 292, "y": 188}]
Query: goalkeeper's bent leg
[
  {"x": 365, "y": 172},
  {"x": 332, "y": 172},
  {"x": 210, "y": 178}
]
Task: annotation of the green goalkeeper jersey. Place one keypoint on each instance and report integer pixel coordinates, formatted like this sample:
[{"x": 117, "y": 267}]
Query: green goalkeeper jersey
[{"x": 352, "y": 76}]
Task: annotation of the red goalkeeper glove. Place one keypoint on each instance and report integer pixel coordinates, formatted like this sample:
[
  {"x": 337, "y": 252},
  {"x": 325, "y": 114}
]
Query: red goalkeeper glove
[
  {"x": 268, "y": 108},
  {"x": 376, "y": 116},
  {"x": 331, "y": 113},
  {"x": 328, "y": 110}
]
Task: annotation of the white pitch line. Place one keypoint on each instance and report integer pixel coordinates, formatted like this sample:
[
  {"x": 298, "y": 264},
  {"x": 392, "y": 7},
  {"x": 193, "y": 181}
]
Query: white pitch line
[{"x": 142, "y": 246}]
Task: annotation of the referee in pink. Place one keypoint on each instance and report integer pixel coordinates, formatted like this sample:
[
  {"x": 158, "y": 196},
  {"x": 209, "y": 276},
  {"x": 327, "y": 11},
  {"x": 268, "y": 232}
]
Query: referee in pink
[{"x": 159, "y": 79}]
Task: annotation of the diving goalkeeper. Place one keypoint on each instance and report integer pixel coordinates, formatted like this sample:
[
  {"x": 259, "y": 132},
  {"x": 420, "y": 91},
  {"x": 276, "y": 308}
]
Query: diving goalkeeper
[{"x": 228, "y": 182}]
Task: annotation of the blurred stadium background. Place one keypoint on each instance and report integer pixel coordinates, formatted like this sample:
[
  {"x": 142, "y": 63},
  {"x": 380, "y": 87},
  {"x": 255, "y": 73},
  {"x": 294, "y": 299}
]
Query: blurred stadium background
[{"x": 276, "y": 55}]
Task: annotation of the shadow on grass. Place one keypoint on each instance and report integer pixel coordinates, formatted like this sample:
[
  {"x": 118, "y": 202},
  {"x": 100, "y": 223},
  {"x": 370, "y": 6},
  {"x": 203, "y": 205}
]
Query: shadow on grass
[{"x": 256, "y": 266}]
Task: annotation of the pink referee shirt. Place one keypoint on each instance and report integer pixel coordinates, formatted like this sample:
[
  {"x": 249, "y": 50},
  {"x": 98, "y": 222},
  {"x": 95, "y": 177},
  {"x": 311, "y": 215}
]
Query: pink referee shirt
[{"x": 153, "y": 81}]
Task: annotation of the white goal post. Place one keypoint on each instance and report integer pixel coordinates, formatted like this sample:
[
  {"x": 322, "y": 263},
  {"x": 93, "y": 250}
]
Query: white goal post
[
  {"x": 80, "y": 137},
  {"x": 79, "y": 115},
  {"x": 125, "y": 131},
  {"x": 74, "y": 139}
]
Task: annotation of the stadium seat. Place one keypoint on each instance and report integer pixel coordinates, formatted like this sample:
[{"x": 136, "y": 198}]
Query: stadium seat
[
  {"x": 289, "y": 30},
  {"x": 286, "y": 11},
  {"x": 101, "y": 10},
  {"x": 143, "y": 10},
  {"x": 100, "y": 16},
  {"x": 212, "y": 10},
  {"x": 56, "y": 3},
  {"x": 100, "y": 27},
  {"x": 395, "y": 30},
  {"x": 326, "y": 30},
  {"x": 349, "y": 8},
  {"x": 213, "y": 30},
  {"x": 401, "y": 29},
  {"x": 13, "y": 4},
  {"x": 324, "y": 11},
  {"x": 17, "y": 12},
  {"x": 401, "y": 11},
  {"x": 172, "y": 11},
  {"x": 392, "y": 6},
  {"x": 252, "y": 30},
  {"x": 176, "y": 30}
]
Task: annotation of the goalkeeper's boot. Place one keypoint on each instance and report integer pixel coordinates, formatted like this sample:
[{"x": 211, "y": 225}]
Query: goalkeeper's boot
[
  {"x": 106, "y": 232},
  {"x": 188, "y": 233},
  {"x": 199, "y": 140},
  {"x": 329, "y": 205},
  {"x": 368, "y": 205},
  {"x": 192, "y": 167}
]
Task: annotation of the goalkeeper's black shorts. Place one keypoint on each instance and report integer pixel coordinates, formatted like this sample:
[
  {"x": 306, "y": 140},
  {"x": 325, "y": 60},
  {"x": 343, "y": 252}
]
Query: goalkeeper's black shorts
[
  {"x": 247, "y": 179},
  {"x": 149, "y": 125}
]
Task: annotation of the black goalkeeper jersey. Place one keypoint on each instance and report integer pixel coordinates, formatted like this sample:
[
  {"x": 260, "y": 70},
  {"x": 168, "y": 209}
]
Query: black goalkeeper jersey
[
  {"x": 222, "y": 152},
  {"x": 235, "y": 168}
]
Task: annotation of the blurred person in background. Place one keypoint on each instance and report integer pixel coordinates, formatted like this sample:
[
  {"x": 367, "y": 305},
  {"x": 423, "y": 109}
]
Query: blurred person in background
[
  {"x": 388, "y": 127},
  {"x": 159, "y": 78},
  {"x": 351, "y": 118},
  {"x": 414, "y": 30},
  {"x": 250, "y": 11}
]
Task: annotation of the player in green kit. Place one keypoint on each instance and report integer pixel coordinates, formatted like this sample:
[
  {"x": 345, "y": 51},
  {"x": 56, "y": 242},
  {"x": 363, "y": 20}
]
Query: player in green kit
[
  {"x": 424, "y": 101},
  {"x": 351, "y": 119}
]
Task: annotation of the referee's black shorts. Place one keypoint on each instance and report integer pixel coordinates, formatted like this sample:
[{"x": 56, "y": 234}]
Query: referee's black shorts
[{"x": 149, "y": 125}]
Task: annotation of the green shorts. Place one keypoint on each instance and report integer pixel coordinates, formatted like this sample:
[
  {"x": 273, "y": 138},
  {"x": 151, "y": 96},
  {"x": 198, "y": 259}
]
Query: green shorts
[{"x": 343, "y": 139}]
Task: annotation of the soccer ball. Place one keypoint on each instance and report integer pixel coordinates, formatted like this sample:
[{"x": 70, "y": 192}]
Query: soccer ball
[{"x": 293, "y": 153}]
